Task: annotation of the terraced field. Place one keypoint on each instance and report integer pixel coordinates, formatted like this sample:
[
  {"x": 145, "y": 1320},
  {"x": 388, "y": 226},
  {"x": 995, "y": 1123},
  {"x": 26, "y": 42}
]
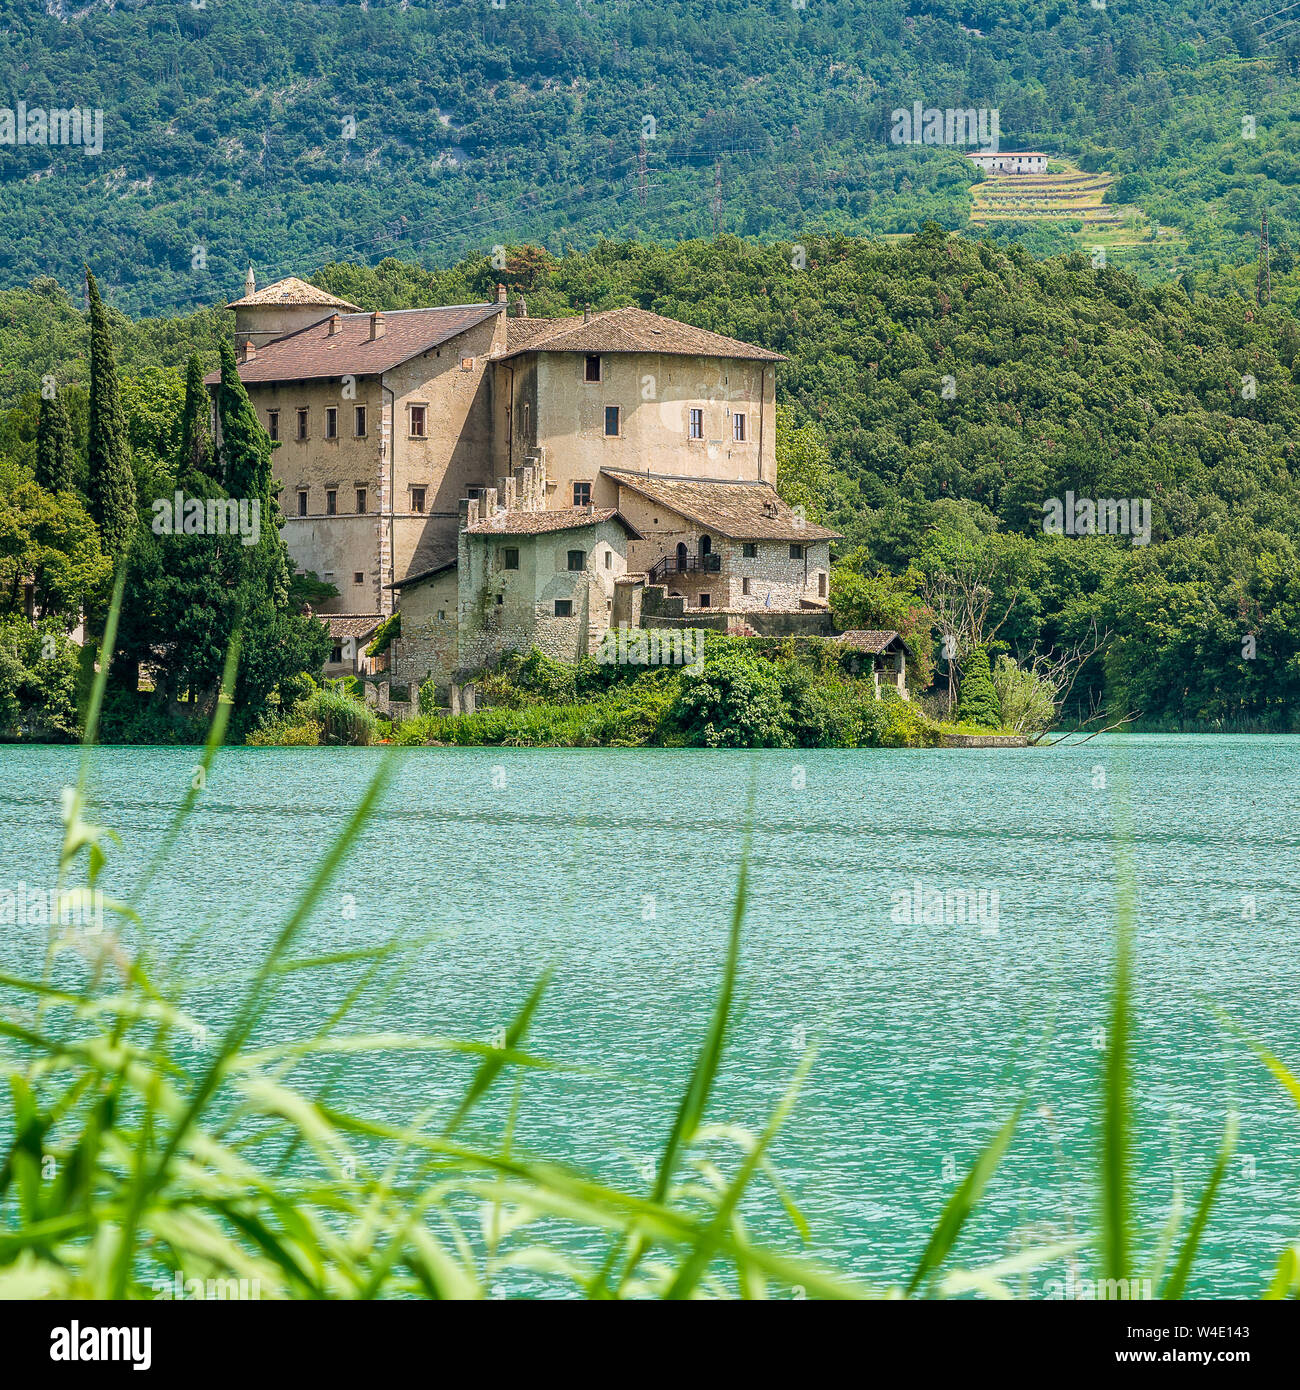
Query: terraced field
[{"x": 1072, "y": 196}]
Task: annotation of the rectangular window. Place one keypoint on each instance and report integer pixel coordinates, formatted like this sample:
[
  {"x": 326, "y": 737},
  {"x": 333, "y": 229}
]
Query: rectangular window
[
  {"x": 302, "y": 504},
  {"x": 697, "y": 424},
  {"x": 361, "y": 501},
  {"x": 510, "y": 558},
  {"x": 358, "y": 577},
  {"x": 273, "y": 423},
  {"x": 467, "y": 364},
  {"x": 796, "y": 552},
  {"x": 417, "y": 422},
  {"x": 564, "y": 608},
  {"x": 577, "y": 560},
  {"x": 821, "y": 584},
  {"x": 593, "y": 367},
  {"x": 331, "y": 502},
  {"x": 609, "y": 559},
  {"x": 611, "y": 421},
  {"x": 331, "y": 422},
  {"x": 749, "y": 550},
  {"x": 526, "y": 419},
  {"x": 302, "y": 422},
  {"x": 744, "y": 586},
  {"x": 417, "y": 499},
  {"x": 704, "y": 600},
  {"x": 581, "y": 494},
  {"x": 738, "y": 428},
  {"x": 359, "y": 422}
]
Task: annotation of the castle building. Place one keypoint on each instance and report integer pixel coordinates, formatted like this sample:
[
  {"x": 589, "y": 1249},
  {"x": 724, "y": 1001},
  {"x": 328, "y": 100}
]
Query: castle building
[{"x": 508, "y": 481}]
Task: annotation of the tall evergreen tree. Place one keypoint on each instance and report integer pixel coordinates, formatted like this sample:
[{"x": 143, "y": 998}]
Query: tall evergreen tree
[
  {"x": 978, "y": 701},
  {"x": 197, "y": 454},
  {"x": 276, "y": 642},
  {"x": 53, "y": 445},
  {"x": 111, "y": 485}
]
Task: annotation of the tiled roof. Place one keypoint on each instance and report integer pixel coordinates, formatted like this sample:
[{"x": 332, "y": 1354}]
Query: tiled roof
[
  {"x": 351, "y": 624},
  {"x": 292, "y": 291},
  {"x": 865, "y": 639},
  {"x": 537, "y": 523},
  {"x": 625, "y": 330},
  {"x": 739, "y": 511},
  {"x": 314, "y": 352}
]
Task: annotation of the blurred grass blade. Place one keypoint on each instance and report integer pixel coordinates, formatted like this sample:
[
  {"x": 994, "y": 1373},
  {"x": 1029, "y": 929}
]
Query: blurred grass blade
[
  {"x": 962, "y": 1202},
  {"x": 1177, "y": 1282}
]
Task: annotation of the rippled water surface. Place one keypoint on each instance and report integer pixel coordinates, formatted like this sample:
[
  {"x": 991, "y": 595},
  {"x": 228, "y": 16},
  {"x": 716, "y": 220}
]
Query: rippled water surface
[{"x": 617, "y": 867}]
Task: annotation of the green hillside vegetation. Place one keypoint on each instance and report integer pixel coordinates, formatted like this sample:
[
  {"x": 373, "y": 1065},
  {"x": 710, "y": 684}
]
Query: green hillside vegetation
[
  {"x": 257, "y": 130},
  {"x": 938, "y": 391}
]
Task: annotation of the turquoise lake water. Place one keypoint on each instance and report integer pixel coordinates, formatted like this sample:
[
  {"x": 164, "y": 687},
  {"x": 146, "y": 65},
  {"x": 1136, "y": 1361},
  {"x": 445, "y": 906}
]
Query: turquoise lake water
[{"x": 617, "y": 867}]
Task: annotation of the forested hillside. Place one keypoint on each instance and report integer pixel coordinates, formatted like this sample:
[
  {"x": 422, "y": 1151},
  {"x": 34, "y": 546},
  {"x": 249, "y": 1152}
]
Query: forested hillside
[
  {"x": 291, "y": 133},
  {"x": 938, "y": 391}
]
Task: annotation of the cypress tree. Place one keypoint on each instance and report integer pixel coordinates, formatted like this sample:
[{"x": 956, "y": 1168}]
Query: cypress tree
[
  {"x": 196, "y": 452},
  {"x": 111, "y": 483},
  {"x": 977, "y": 702},
  {"x": 53, "y": 445},
  {"x": 245, "y": 445}
]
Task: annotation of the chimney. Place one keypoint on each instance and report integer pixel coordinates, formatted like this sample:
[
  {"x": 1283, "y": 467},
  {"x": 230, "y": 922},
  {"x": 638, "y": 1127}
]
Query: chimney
[
  {"x": 250, "y": 281},
  {"x": 247, "y": 351},
  {"x": 336, "y": 324},
  {"x": 522, "y": 312},
  {"x": 586, "y": 313},
  {"x": 501, "y": 294},
  {"x": 377, "y": 329}
]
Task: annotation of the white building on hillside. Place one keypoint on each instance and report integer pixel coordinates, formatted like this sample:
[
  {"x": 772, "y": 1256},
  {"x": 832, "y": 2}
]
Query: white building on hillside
[{"x": 1010, "y": 161}]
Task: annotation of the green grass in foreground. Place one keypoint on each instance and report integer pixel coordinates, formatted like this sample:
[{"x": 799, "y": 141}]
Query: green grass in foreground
[{"x": 131, "y": 1155}]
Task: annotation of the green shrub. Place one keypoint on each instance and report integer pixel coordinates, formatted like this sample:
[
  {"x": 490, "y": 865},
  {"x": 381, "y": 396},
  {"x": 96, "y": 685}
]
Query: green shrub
[
  {"x": 342, "y": 720},
  {"x": 284, "y": 732},
  {"x": 735, "y": 702},
  {"x": 391, "y": 627},
  {"x": 427, "y": 697},
  {"x": 977, "y": 701},
  {"x": 1025, "y": 700}
]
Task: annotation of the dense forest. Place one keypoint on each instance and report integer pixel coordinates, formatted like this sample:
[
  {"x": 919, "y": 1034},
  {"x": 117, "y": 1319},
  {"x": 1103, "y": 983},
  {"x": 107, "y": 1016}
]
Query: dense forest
[
  {"x": 939, "y": 391},
  {"x": 288, "y": 134}
]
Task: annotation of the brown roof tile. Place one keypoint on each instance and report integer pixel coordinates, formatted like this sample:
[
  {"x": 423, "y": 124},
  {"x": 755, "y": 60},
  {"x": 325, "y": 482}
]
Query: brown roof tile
[
  {"x": 292, "y": 291},
  {"x": 865, "y": 639},
  {"x": 351, "y": 624},
  {"x": 314, "y": 352},
  {"x": 739, "y": 511},
  {"x": 538, "y": 523},
  {"x": 625, "y": 330}
]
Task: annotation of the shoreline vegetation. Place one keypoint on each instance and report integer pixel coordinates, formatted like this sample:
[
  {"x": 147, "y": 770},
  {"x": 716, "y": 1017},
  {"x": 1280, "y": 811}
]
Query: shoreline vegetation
[
  {"x": 134, "y": 1156},
  {"x": 940, "y": 400},
  {"x": 742, "y": 693}
]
